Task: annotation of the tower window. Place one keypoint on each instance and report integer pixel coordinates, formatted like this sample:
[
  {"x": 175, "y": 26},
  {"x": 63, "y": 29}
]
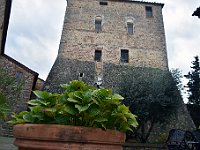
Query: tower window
[
  {"x": 97, "y": 56},
  {"x": 103, "y": 3},
  {"x": 19, "y": 76},
  {"x": 98, "y": 24},
  {"x": 130, "y": 27},
  {"x": 149, "y": 11},
  {"x": 124, "y": 56}
]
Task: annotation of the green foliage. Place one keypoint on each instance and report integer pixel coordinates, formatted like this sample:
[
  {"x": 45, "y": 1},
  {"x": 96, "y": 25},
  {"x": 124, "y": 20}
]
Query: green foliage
[
  {"x": 3, "y": 106},
  {"x": 177, "y": 76},
  {"x": 79, "y": 105},
  {"x": 162, "y": 138},
  {"x": 8, "y": 86},
  {"x": 194, "y": 82},
  {"x": 152, "y": 95},
  {"x": 194, "y": 111}
]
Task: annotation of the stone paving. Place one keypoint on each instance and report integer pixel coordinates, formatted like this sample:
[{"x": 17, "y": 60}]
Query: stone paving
[{"x": 6, "y": 143}]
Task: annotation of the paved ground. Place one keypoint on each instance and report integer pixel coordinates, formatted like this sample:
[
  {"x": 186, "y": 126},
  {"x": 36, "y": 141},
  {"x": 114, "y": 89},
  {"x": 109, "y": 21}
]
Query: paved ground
[{"x": 7, "y": 143}]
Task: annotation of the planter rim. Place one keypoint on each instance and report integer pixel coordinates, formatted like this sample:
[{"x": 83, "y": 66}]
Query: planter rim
[{"x": 66, "y": 133}]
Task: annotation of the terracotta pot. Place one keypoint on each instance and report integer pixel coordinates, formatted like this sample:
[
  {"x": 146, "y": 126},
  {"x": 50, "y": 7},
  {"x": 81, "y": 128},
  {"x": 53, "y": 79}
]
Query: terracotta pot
[{"x": 60, "y": 137}]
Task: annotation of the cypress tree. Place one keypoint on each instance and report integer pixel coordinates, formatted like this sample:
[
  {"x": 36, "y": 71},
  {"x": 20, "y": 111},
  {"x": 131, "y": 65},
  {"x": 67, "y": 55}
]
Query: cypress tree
[{"x": 194, "y": 82}]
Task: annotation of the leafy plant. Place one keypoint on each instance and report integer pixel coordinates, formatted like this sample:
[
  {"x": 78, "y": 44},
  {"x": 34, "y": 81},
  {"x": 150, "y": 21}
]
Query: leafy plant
[
  {"x": 10, "y": 89},
  {"x": 4, "y": 109},
  {"x": 177, "y": 76},
  {"x": 79, "y": 105},
  {"x": 156, "y": 98}
]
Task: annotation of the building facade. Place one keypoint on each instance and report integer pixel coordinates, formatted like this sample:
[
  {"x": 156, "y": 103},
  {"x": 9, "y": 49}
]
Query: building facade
[
  {"x": 107, "y": 31},
  {"x": 119, "y": 32}
]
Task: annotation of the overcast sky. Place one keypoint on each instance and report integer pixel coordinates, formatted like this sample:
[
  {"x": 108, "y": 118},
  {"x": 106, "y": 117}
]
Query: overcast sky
[{"x": 35, "y": 30}]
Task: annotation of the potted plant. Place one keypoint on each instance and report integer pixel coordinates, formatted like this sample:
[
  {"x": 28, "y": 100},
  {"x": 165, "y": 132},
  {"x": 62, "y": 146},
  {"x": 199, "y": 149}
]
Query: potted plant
[{"x": 81, "y": 117}]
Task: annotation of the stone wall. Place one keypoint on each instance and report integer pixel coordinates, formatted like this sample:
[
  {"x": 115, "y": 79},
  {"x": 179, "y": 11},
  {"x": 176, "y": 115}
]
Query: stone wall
[
  {"x": 66, "y": 70},
  {"x": 39, "y": 84},
  {"x": 28, "y": 77},
  {"x": 79, "y": 40},
  {"x": 146, "y": 45}
]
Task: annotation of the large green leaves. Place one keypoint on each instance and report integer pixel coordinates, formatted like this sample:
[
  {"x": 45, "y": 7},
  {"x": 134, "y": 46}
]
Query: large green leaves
[
  {"x": 70, "y": 109},
  {"x": 80, "y": 105}
]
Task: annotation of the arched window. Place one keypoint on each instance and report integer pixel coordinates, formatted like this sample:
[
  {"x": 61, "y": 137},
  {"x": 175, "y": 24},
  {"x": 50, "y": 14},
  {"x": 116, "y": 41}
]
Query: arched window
[
  {"x": 98, "y": 24},
  {"x": 130, "y": 28}
]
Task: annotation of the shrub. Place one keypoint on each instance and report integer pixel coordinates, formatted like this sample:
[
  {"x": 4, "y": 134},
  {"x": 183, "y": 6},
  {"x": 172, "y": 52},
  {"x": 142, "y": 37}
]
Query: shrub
[
  {"x": 4, "y": 109},
  {"x": 8, "y": 87},
  {"x": 152, "y": 95}
]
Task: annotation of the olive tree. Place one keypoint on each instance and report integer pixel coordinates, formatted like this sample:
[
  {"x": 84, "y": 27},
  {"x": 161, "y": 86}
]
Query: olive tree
[{"x": 152, "y": 95}]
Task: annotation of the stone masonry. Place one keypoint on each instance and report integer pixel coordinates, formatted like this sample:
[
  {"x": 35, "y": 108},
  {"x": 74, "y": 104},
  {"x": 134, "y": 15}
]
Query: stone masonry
[
  {"x": 26, "y": 76},
  {"x": 146, "y": 45},
  {"x": 17, "y": 103}
]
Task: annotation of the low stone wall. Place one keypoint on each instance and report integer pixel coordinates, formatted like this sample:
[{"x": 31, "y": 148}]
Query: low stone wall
[{"x": 144, "y": 146}]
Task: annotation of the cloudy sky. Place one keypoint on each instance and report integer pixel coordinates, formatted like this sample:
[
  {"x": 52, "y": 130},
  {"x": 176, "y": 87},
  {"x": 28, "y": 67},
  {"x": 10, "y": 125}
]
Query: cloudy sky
[
  {"x": 35, "y": 30},
  {"x": 34, "y": 33}
]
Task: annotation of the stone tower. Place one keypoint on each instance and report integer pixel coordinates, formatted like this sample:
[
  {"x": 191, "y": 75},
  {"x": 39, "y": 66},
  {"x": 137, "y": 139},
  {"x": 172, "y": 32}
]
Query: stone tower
[
  {"x": 101, "y": 39},
  {"x": 101, "y": 32}
]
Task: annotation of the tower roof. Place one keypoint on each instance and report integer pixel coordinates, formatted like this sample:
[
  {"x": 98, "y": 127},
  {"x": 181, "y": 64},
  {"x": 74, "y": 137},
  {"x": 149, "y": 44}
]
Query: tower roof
[{"x": 135, "y": 1}]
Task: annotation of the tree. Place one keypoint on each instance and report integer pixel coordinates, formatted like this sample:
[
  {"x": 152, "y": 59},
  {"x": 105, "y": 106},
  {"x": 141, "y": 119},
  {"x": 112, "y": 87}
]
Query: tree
[
  {"x": 177, "y": 75},
  {"x": 152, "y": 95},
  {"x": 193, "y": 84},
  {"x": 9, "y": 87}
]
